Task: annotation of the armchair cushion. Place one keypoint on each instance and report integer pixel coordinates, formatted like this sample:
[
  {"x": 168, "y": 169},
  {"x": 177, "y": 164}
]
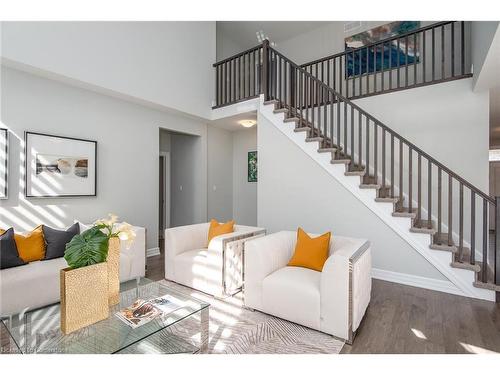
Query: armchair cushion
[
  {"x": 293, "y": 293},
  {"x": 216, "y": 229},
  {"x": 310, "y": 252}
]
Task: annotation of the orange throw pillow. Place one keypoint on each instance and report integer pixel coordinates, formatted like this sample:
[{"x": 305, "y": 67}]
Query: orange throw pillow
[
  {"x": 310, "y": 252},
  {"x": 216, "y": 229},
  {"x": 30, "y": 247}
]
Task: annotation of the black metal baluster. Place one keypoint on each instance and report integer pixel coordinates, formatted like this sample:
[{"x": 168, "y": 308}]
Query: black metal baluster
[
  {"x": 462, "y": 47},
  {"x": 419, "y": 189},
  {"x": 406, "y": 61},
  {"x": 461, "y": 223},
  {"x": 473, "y": 228},
  {"x": 399, "y": 65},
  {"x": 442, "y": 53},
  {"x": 367, "y": 146},
  {"x": 367, "y": 70},
  {"x": 484, "y": 268},
  {"x": 375, "y": 151},
  {"x": 429, "y": 194},
  {"x": 375, "y": 68},
  {"x": 410, "y": 184},
  {"x": 383, "y": 158},
  {"x": 415, "y": 59},
  {"x": 392, "y": 165},
  {"x": 360, "y": 140},
  {"x": 433, "y": 55},
  {"x": 423, "y": 57},
  {"x": 401, "y": 174},
  {"x": 452, "y": 49},
  {"x": 450, "y": 210},
  {"x": 439, "y": 205}
]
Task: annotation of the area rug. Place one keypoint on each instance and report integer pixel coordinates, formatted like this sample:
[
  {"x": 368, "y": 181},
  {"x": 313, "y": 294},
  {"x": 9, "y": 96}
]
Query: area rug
[{"x": 236, "y": 330}]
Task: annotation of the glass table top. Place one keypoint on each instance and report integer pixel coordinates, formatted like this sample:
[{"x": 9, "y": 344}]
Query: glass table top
[{"x": 38, "y": 331}]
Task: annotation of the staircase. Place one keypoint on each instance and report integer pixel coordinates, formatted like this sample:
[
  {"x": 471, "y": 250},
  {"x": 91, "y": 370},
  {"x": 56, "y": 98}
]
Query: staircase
[{"x": 443, "y": 216}]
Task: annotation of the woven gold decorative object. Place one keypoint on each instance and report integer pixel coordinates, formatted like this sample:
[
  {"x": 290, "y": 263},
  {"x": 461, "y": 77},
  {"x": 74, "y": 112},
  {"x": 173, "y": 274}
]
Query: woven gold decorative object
[
  {"x": 114, "y": 271},
  {"x": 84, "y": 296}
]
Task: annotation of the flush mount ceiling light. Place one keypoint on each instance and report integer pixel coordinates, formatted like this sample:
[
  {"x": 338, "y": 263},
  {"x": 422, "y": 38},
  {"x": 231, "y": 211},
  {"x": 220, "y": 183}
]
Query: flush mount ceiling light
[{"x": 247, "y": 123}]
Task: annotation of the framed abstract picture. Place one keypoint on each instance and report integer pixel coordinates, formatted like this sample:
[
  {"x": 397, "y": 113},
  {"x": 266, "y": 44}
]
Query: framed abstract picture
[
  {"x": 252, "y": 166},
  {"x": 397, "y": 53},
  {"x": 4, "y": 163},
  {"x": 59, "y": 166}
]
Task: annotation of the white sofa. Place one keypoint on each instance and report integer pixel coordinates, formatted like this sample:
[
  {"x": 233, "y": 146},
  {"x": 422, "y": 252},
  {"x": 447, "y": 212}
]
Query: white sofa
[
  {"x": 216, "y": 269},
  {"x": 36, "y": 284},
  {"x": 332, "y": 301}
]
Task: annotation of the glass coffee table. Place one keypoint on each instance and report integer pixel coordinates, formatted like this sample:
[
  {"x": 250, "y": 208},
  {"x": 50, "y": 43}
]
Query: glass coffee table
[{"x": 182, "y": 331}]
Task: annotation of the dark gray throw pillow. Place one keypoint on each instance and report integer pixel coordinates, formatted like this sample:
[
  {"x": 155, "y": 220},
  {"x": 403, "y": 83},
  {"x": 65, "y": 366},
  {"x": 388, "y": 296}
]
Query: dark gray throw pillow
[
  {"x": 56, "y": 240},
  {"x": 9, "y": 256}
]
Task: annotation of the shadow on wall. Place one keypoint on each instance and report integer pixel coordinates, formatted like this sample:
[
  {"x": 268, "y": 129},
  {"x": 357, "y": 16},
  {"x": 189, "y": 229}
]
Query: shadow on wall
[{"x": 17, "y": 211}]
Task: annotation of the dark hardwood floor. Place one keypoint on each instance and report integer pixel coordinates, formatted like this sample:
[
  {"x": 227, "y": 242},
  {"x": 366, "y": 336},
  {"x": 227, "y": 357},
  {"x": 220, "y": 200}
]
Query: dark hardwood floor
[{"x": 404, "y": 319}]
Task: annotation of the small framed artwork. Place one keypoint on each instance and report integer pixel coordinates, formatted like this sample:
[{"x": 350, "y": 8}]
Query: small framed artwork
[
  {"x": 4, "y": 163},
  {"x": 59, "y": 166},
  {"x": 252, "y": 166}
]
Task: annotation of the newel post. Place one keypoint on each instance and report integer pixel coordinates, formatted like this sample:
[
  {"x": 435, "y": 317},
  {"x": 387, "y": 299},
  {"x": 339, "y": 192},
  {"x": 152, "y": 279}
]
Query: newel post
[
  {"x": 496, "y": 255},
  {"x": 265, "y": 69}
]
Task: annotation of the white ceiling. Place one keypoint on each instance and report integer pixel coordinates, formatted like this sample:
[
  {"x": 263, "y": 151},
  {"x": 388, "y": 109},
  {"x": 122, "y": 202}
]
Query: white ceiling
[
  {"x": 243, "y": 32},
  {"x": 231, "y": 123}
]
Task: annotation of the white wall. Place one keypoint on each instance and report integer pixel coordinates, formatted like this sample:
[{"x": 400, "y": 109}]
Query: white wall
[
  {"x": 448, "y": 121},
  {"x": 128, "y": 143},
  {"x": 293, "y": 190},
  {"x": 244, "y": 192},
  {"x": 163, "y": 63},
  {"x": 220, "y": 174},
  {"x": 485, "y": 53}
]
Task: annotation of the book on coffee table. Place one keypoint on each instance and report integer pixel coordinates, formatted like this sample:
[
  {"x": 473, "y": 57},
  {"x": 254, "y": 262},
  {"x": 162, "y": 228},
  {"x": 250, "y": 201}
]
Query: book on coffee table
[{"x": 142, "y": 312}]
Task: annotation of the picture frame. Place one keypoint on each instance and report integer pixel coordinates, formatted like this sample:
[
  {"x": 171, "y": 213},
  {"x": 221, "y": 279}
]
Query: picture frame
[
  {"x": 252, "y": 166},
  {"x": 4, "y": 163},
  {"x": 362, "y": 61},
  {"x": 59, "y": 166}
]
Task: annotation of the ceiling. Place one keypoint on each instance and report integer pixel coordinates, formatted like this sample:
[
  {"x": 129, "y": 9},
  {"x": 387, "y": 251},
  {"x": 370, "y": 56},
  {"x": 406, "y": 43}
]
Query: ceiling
[
  {"x": 243, "y": 32},
  {"x": 231, "y": 123}
]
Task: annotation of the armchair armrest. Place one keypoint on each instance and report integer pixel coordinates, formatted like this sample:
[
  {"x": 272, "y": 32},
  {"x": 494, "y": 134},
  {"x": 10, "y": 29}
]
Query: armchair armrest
[
  {"x": 346, "y": 276},
  {"x": 263, "y": 256},
  {"x": 181, "y": 239}
]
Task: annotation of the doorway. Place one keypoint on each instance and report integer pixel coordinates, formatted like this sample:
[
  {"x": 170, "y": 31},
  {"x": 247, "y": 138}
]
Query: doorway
[{"x": 164, "y": 193}]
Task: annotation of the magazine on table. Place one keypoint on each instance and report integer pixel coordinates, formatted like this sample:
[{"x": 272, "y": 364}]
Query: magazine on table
[{"x": 144, "y": 311}]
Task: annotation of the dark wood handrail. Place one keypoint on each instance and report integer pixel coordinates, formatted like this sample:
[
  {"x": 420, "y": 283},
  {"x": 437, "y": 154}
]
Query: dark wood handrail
[
  {"x": 237, "y": 55},
  {"x": 400, "y": 36},
  {"x": 387, "y": 129}
]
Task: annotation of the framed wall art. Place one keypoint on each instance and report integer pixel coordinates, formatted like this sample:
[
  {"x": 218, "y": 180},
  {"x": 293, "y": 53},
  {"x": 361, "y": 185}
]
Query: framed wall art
[
  {"x": 388, "y": 56},
  {"x": 252, "y": 166},
  {"x": 58, "y": 166},
  {"x": 4, "y": 163}
]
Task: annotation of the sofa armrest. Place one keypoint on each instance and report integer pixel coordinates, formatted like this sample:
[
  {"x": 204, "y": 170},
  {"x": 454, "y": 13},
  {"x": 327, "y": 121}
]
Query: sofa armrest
[
  {"x": 342, "y": 279},
  {"x": 181, "y": 239},
  {"x": 263, "y": 256}
]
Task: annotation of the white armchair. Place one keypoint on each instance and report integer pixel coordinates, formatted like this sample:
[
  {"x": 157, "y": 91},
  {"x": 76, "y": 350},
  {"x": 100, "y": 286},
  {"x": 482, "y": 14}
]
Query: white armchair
[
  {"x": 216, "y": 269},
  {"x": 333, "y": 301}
]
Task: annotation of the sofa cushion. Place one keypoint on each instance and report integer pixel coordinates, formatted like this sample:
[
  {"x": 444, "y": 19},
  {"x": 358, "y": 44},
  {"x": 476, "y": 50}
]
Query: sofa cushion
[
  {"x": 30, "y": 245},
  {"x": 293, "y": 293},
  {"x": 56, "y": 240},
  {"x": 9, "y": 256}
]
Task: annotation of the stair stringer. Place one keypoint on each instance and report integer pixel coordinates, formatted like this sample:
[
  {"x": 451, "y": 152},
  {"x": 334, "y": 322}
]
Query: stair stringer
[{"x": 461, "y": 278}]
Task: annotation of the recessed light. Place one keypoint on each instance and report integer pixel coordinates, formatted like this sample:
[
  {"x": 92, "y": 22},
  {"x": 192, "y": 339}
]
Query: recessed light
[{"x": 247, "y": 123}]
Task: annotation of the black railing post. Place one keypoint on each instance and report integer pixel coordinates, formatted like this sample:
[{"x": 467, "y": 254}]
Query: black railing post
[
  {"x": 265, "y": 69},
  {"x": 496, "y": 254}
]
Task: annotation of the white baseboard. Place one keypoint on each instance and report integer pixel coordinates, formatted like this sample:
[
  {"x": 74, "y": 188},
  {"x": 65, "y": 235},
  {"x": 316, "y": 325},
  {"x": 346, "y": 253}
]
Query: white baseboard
[
  {"x": 417, "y": 281},
  {"x": 152, "y": 252}
]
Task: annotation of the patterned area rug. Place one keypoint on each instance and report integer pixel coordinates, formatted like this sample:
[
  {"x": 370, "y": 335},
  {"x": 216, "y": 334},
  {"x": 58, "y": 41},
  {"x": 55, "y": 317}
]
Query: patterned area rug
[{"x": 235, "y": 330}]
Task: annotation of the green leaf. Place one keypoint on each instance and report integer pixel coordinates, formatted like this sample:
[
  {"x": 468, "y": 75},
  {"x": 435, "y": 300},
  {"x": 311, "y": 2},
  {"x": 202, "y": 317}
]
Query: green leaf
[{"x": 87, "y": 248}]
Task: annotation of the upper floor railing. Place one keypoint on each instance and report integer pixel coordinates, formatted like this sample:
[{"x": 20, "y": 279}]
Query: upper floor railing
[{"x": 432, "y": 54}]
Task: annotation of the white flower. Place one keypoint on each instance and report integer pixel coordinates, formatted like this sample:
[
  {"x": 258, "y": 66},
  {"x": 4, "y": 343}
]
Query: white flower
[{"x": 126, "y": 233}]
